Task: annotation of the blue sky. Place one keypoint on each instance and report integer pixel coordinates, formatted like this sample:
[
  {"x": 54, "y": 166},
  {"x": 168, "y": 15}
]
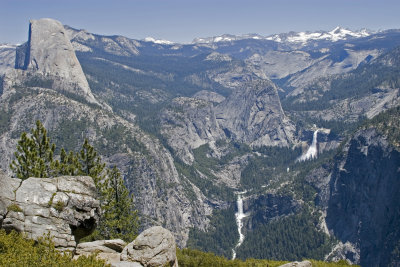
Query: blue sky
[{"x": 183, "y": 20}]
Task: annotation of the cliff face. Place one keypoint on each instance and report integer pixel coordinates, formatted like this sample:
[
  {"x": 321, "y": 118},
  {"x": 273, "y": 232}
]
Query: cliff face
[
  {"x": 48, "y": 55},
  {"x": 364, "y": 200},
  {"x": 189, "y": 123},
  {"x": 253, "y": 114},
  {"x": 265, "y": 208}
]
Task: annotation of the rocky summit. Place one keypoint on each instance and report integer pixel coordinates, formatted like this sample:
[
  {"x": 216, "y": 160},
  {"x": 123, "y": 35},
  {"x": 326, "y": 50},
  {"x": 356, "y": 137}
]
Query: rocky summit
[{"x": 48, "y": 56}]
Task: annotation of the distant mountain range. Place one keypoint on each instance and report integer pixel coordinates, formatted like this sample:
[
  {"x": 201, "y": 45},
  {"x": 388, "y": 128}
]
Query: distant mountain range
[
  {"x": 335, "y": 35},
  {"x": 292, "y": 37}
]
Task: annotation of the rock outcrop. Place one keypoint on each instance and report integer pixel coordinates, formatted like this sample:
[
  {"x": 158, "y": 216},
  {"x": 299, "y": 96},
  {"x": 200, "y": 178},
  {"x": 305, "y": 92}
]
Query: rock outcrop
[
  {"x": 109, "y": 250},
  {"x": 209, "y": 96},
  {"x": 253, "y": 114},
  {"x": 153, "y": 247},
  {"x": 189, "y": 123},
  {"x": 48, "y": 59},
  {"x": 7, "y": 58},
  {"x": 297, "y": 264},
  {"x": 64, "y": 206}
]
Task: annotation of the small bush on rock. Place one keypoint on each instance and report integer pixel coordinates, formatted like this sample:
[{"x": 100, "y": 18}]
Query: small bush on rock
[
  {"x": 59, "y": 206},
  {"x": 14, "y": 207}
]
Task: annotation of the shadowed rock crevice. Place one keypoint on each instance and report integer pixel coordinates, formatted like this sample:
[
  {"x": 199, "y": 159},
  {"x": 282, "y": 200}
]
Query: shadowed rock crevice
[{"x": 85, "y": 228}]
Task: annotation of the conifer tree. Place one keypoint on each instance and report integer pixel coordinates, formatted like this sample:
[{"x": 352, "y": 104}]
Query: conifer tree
[
  {"x": 90, "y": 163},
  {"x": 68, "y": 164},
  {"x": 119, "y": 219},
  {"x": 34, "y": 155}
]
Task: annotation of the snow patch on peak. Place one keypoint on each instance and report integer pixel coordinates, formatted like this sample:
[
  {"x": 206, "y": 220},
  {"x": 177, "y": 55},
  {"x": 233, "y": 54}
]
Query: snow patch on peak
[
  {"x": 8, "y": 46},
  {"x": 226, "y": 38},
  {"x": 340, "y": 33},
  {"x": 338, "y": 29},
  {"x": 274, "y": 37},
  {"x": 334, "y": 35},
  {"x": 158, "y": 41}
]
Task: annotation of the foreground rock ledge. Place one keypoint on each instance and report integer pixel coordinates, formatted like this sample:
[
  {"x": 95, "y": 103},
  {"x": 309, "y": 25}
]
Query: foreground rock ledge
[
  {"x": 64, "y": 206},
  {"x": 297, "y": 264},
  {"x": 153, "y": 247}
]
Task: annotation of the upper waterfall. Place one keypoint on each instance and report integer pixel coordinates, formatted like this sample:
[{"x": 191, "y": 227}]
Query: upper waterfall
[{"x": 312, "y": 151}]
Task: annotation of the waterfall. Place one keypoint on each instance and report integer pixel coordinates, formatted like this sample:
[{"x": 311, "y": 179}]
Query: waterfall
[
  {"x": 239, "y": 222},
  {"x": 312, "y": 150}
]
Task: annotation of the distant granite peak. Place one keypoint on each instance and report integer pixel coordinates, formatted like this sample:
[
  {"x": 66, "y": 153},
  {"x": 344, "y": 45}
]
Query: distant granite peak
[
  {"x": 49, "y": 53},
  {"x": 253, "y": 114}
]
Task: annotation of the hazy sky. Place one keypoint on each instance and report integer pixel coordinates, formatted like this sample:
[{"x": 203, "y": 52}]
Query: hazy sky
[{"x": 183, "y": 20}]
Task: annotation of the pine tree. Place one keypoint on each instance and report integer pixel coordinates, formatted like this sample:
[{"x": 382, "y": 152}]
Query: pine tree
[
  {"x": 34, "y": 155},
  {"x": 119, "y": 219},
  {"x": 90, "y": 163},
  {"x": 68, "y": 164}
]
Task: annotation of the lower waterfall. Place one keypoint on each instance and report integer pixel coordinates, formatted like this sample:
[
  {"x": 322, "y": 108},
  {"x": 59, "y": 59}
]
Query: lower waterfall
[{"x": 239, "y": 217}]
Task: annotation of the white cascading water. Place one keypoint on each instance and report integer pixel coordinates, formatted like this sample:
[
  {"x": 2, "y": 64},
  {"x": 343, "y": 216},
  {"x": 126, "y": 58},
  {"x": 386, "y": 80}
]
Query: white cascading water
[
  {"x": 312, "y": 150},
  {"x": 239, "y": 221}
]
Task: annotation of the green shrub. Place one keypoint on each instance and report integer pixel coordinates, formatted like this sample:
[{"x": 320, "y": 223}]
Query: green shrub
[
  {"x": 59, "y": 206},
  {"x": 51, "y": 199},
  {"x": 14, "y": 207},
  {"x": 191, "y": 257},
  {"x": 16, "y": 250}
]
